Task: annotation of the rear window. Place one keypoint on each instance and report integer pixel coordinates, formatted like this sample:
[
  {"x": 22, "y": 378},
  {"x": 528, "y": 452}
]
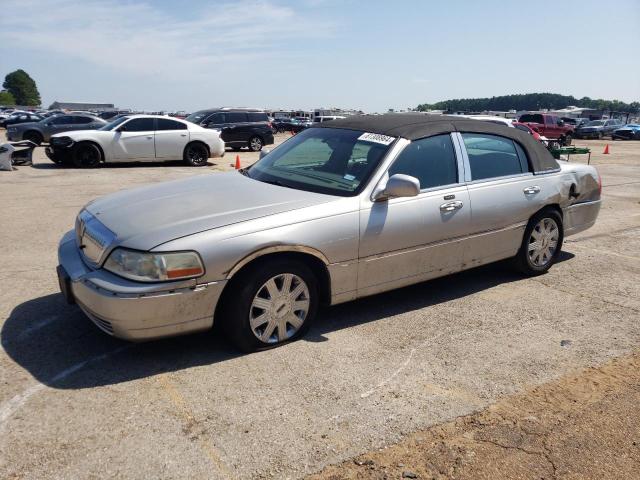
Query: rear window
[
  {"x": 532, "y": 118},
  {"x": 492, "y": 156},
  {"x": 166, "y": 124},
  {"x": 257, "y": 117}
]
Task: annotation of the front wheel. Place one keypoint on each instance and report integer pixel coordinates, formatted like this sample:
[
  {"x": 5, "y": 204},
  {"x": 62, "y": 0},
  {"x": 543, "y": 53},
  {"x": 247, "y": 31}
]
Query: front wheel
[
  {"x": 271, "y": 304},
  {"x": 34, "y": 137},
  {"x": 255, "y": 144},
  {"x": 541, "y": 243},
  {"x": 196, "y": 154},
  {"x": 86, "y": 155}
]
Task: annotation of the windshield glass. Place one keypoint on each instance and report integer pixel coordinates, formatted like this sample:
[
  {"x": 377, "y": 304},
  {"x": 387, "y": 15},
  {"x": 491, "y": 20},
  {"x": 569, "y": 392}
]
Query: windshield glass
[
  {"x": 111, "y": 125},
  {"x": 595, "y": 123},
  {"x": 197, "y": 117},
  {"x": 324, "y": 160}
]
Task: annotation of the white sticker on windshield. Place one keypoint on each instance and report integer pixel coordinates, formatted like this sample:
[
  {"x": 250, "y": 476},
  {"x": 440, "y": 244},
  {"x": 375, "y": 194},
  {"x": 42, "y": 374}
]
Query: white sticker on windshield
[{"x": 376, "y": 138}]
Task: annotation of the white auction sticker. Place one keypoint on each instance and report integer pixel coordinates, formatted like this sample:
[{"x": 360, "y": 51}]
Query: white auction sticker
[{"x": 376, "y": 138}]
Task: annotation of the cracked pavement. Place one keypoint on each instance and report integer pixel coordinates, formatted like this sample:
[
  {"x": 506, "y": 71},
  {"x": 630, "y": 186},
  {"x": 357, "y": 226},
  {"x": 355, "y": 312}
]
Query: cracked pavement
[{"x": 75, "y": 402}]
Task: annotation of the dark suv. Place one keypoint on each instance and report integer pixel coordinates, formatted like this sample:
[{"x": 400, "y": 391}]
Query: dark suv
[{"x": 240, "y": 127}]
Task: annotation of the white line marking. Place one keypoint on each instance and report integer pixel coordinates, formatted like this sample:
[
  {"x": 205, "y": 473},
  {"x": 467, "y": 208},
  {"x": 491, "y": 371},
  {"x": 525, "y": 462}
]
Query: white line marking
[
  {"x": 37, "y": 326},
  {"x": 8, "y": 408}
]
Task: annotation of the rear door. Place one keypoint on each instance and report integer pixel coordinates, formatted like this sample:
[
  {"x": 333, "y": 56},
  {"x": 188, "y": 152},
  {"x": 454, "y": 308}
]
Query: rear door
[
  {"x": 503, "y": 193},
  {"x": 170, "y": 138},
  {"x": 134, "y": 140}
]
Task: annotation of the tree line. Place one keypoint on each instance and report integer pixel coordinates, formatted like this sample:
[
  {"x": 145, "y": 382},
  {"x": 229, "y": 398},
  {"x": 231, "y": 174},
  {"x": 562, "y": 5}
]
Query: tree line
[
  {"x": 19, "y": 89},
  {"x": 529, "y": 101}
]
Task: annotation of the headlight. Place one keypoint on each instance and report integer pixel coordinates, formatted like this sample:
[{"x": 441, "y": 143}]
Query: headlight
[{"x": 154, "y": 267}]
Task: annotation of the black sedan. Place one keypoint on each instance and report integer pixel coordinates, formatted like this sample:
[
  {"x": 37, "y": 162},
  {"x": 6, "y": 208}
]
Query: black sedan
[{"x": 288, "y": 125}]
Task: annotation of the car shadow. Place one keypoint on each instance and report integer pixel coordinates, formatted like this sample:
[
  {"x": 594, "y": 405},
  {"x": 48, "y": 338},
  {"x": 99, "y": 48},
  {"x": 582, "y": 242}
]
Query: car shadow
[{"x": 60, "y": 347}]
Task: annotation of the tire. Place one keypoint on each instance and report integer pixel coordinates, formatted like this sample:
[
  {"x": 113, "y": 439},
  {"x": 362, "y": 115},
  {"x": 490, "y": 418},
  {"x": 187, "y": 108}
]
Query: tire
[
  {"x": 196, "y": 154},
  {"x": 600, "y": 135},
  {"x": 567, "y": 140},
  {"x": 253, "y": 320},
  {"x": 86, "y": 155},
  {"x": 34, "y": 137},
  {"x": 255, "y": 144},
  {"x": 536, "y": 261},
  {"x": 236, "y": 149}
]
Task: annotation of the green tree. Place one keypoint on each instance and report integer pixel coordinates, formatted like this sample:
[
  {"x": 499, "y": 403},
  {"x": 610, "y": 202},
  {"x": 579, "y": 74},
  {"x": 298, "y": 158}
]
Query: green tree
[
  {"x": 6, "y": 98},
  {"x": 22, "y": 87}
]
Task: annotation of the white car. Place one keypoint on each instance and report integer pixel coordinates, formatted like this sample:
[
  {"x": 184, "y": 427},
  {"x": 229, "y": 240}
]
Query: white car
[{"x": 137, "y": 138}]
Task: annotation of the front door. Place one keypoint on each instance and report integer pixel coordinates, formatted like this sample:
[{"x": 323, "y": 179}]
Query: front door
[
  {"x": 134, "y": 140},
  {"x": 406, "y": 240}
]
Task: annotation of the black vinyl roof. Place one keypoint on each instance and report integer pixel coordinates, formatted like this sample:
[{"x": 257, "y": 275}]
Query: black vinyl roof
[{"x": 414, "y": 126}]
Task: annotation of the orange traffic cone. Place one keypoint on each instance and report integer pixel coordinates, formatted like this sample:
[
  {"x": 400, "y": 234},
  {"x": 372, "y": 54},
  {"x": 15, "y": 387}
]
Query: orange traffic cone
[
  {"x": 606, "y": 149},
  {"x": 238, "y": 167}
]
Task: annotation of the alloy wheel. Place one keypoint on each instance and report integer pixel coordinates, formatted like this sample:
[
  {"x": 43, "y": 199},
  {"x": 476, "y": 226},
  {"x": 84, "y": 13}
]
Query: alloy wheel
[
  {"x": 279, "y": 308},
  {"x": 543, "y": 242}
]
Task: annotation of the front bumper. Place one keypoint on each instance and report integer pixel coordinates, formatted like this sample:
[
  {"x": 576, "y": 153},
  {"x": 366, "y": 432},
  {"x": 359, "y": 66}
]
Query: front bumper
[{"x": 133, "y": 310}]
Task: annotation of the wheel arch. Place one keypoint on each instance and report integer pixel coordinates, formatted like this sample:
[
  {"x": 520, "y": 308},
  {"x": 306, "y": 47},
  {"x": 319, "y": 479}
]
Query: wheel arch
[
  {"x": 192, "y": 142},
  {"x": 311, "y": 257},
  {"x": 92, "y": 142}
]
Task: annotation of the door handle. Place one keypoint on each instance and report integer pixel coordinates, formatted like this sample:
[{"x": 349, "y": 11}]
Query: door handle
[
  {"x": 531, "y": 190},
  {"x": 149, "y": 138},
  {"x": 183, "y": 134},
  {"x": 451, "y": 206}
]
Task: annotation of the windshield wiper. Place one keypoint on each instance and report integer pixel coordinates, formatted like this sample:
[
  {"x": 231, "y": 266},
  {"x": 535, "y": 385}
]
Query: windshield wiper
[{"x": 275, "y": 182}]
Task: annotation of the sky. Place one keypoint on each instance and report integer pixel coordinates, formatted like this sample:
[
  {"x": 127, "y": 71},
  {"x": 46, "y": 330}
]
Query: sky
[{"x": 370, "y": 55}]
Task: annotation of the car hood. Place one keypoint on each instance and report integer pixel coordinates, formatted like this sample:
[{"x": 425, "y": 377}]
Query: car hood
[{"x": 143, "y": 218}]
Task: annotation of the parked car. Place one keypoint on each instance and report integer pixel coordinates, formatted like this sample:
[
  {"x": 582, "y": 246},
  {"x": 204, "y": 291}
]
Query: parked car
[
  {"x": 15, "y": 119},
  {"x": 41, "y": 131},
  {"x": 52, "y": 113},
  {"x": 598, "y": 128},
  {"x": 288, "y": 125},
  {"x": 240, "y": 127},
  {"x": 575, "y": 122},
  {"x": 551, "y": 126},
  {"x": 337, "y": 212},
  {"x": 139, "y": 138},
  {"x": 630, "y": 131}
]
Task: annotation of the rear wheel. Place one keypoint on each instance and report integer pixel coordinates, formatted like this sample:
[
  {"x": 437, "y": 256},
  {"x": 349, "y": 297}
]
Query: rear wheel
[
  {"x": 270, "y": 304},
  {"x": 86, "y": 155},
  {"x": 567, "y": 140},
  {"x": 196, "y": 154},
  {"x": 255, "y": 144},
  {"x": 34, "y": 137},
  {"x": 541, "y": 243}
]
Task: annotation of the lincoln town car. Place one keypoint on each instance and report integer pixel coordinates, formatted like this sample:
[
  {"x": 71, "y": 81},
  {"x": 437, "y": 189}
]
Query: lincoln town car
[{"x": 342, "y": 210}]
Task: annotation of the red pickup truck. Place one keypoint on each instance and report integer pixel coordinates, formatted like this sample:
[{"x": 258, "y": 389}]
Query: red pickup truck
[{"x": 549, "y": 126}]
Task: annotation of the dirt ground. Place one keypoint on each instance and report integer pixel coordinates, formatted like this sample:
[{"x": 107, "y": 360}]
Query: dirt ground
[
  {"x": 460, "y": 376},
  {"x": 581, "y": 426}
]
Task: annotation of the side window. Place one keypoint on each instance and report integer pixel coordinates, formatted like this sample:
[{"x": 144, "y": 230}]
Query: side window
[
  {"x": 257, "y": 117},
  {"x": 82, "y": 120},
  {"x": 216, "y": 119},
  {"x": 166, "y": 124},
  {"x": 491, "y": 156},
  {"x": 139, "y": 125},
  {"x": 62, "y": 120},
  {"x": 236, "y": 117},
  {"x": 431, "y": 160}
]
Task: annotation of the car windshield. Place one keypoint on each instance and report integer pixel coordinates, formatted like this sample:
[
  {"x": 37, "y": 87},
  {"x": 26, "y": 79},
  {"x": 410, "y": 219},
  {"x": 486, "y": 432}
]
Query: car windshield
[
  {"x": 323, "y": 160},
  {"x": 197, "y": 117},
  {"x": 111, "y": 125},
  {"x": 595, "y": 123}
]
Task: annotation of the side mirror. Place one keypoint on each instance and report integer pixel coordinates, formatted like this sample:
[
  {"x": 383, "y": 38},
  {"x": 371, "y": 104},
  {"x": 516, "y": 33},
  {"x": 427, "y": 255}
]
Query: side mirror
[
  {"x": 264, "y": 152},
  {"x": 399, "y": 185},
  {"x": 121, "y": 129},
  {"x": 560, "y": 123}
]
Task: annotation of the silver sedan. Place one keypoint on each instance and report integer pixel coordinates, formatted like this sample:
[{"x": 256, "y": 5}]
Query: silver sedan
[{"x": 347, "y": 209}]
